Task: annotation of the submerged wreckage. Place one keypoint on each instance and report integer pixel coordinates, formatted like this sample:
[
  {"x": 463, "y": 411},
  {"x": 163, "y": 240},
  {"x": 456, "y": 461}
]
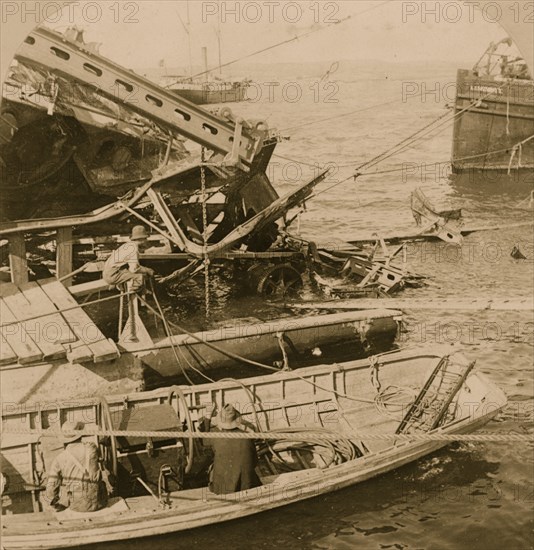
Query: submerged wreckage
[
  {"x": 133, "y": 150},
  {"x": 113, "y": 147},
  {"x": 103, "y": 145}
]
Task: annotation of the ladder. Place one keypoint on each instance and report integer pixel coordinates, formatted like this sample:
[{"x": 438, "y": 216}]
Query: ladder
[
  {"x": 237, "y": 139},
  {"x": 433, "y": 402}
]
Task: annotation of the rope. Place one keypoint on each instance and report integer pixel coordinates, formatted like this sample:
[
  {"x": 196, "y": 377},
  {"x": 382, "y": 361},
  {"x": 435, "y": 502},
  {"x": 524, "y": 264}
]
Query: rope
[
  {"x": 343, "y": 115},
  {"x": 168, "y": 331},
  {"x": 254, "y": 363},
  {"x": 339, "y": 449},
  {"x": 302, "y": 434},
  {"x": 415, "y": 137},
  {"x": 518, "y": 147},
  {"x": 289, "y": 40},
  {"x": 403, "y": 167},
  {"x": 205, "y": 232},
  {"x": 393, "y": 399},
  {"x": 404, "y": 144},
  {"x": 64, "y": 310},
  {"x": 529, "y": 200},
  {"x": 508, "y": 110}
]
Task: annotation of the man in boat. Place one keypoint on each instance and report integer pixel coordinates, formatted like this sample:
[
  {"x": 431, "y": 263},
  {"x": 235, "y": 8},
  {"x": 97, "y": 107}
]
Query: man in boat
[
  {"x": 235, "y": 460},
  {"x": 75, "y": 479},
  {"x": 123, "y": 265}
]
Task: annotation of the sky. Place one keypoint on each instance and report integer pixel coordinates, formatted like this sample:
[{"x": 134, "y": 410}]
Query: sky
[{"x": 139, "y": 34}]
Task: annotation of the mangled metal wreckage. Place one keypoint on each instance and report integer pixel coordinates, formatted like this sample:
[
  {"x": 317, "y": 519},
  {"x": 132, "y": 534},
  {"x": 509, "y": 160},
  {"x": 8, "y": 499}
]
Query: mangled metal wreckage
[{"x": 86, "y": 141}]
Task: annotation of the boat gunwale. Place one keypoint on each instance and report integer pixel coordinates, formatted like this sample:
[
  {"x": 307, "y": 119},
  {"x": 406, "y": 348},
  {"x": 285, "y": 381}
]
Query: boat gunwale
[
  {"x": 165, "y": 520},
  {"x": 356, "y": 364}
]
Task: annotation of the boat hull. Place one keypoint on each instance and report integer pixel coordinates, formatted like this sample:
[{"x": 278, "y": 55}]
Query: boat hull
[
  {"x": 212, "y": 94},
  {"x": 199, "y": 507},
  {"x": 359, "y": 333},
  {"x": 487, "y": 135},
  {"x": 240, "y": 505}
]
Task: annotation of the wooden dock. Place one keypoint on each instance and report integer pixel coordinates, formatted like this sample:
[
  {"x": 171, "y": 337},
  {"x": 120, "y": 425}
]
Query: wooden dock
[{"x": 41, "y": 321}]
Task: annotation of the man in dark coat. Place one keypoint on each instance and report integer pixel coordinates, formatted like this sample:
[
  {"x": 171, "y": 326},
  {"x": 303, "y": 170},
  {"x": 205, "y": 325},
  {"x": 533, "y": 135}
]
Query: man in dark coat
[{"x": 235, "y": 460}]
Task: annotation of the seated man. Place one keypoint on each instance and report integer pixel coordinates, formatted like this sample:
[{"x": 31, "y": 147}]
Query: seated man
[
  {"x": 123, "y": 264},
  {"x": 235, "y": 460},
  {"x": 75, "y": 479}
]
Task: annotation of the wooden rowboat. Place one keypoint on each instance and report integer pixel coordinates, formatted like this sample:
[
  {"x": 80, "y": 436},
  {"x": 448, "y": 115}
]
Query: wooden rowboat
[{"x": 399, "y": 397}]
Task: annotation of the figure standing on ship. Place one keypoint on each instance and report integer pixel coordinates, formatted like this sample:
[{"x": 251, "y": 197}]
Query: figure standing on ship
[
  {"x": 235, "y": 460},
  {"x": 123, "y": 265},
  {"x": 75, "y": 479}
]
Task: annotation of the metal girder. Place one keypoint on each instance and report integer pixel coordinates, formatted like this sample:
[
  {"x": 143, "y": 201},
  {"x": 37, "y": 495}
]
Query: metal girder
[{"x": 238, "y": 141}]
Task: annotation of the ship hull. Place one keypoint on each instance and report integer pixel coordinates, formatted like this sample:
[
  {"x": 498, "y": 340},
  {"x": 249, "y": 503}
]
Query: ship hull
[
  {"x": 495, "y": 130},
  {"x": 213, "y": 94}
]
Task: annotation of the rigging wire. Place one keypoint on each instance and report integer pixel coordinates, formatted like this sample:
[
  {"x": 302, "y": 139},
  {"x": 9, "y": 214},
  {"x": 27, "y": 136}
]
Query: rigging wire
[
  {"x": 168, "y": 331},
  {"x": 405, "y": 144},
  {"x": 293, "y": 39},
  {"x": 380, "y": 399},
  {"x": 343, "y": 115}
]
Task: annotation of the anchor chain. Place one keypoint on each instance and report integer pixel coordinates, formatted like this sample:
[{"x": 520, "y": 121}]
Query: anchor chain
[{"x": 205, "y": 232}]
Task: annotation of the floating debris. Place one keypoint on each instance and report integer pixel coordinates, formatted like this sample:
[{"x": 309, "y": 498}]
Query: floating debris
[{"x": 517, "y": 254}]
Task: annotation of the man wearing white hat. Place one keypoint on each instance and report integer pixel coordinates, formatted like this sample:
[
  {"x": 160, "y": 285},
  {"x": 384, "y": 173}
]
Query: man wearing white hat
[
  {"x": 123, "y": 265},
  {"x": 75, "y": 480}
]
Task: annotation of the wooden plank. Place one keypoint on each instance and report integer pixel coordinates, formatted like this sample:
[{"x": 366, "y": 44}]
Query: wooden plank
[
  {"x": 82, "y": 325},
  {"x": 18, "y": 339},
  {"x": 235, "y": 255},
  {"x": 64, "y": 254},
  {"x": 18, "y": 263},
  {"x": 418, "y": 236},
  {"x": 79, "y": 352},
  {"x": 7, "y": 355},
  {"x": 43, "y": 333},
  {"x": 466, "y": 304},
  {"x": 54, "y": 325},
  {"x": 86, "y": 289}
]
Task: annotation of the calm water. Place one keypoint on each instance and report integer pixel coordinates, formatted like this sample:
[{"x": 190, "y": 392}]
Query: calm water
[{"x": 477, "y": 496}]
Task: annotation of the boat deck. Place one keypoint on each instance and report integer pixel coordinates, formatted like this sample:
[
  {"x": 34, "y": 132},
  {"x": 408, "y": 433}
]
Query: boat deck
[{"x": 41, "y": 321}]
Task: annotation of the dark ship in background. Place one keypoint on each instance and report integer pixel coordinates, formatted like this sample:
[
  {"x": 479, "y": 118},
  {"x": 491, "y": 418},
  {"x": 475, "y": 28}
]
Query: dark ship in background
[
  {"x": 494, "y": 126},
  {"x": 497, "y": 132}
]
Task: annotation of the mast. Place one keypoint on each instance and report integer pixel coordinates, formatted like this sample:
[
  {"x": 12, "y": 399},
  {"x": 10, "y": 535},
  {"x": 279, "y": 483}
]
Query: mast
[
  {"x": 189, "y": 40},
  {"x": 205, "y": 58},
  {"x": 511, "y": 18},
  {"x": 218, "y": 31}
]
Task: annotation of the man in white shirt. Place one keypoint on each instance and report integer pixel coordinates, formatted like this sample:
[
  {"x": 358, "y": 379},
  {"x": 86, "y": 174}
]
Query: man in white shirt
[{"x": 123, "y": 264}]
